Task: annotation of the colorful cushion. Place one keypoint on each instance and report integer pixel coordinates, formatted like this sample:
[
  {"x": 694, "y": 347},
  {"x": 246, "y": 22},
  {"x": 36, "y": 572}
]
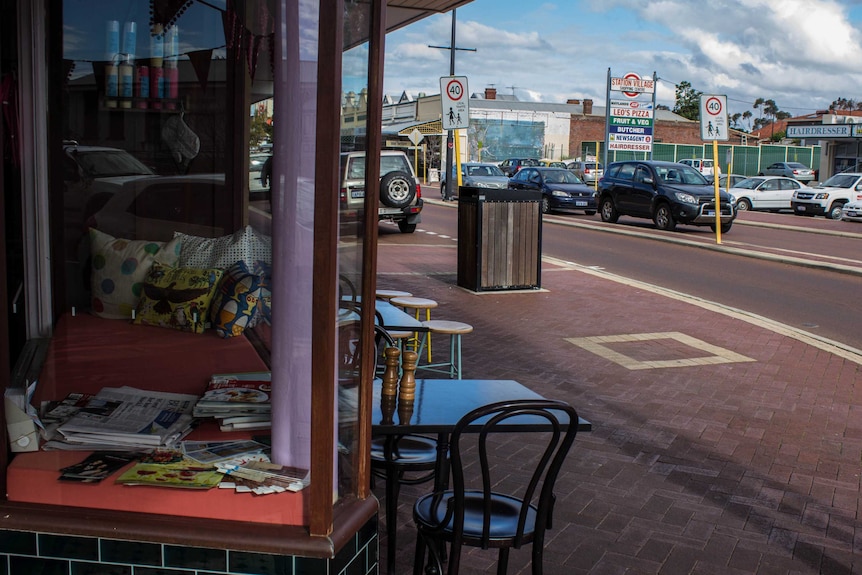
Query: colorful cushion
[
  {"x": 235, "y": 303},
  {"x": 119, "y": 269},
  {"x": 264, "y": 304},
  {"x": 246, "y": 245},
  {"x": 177, "y": 298}
]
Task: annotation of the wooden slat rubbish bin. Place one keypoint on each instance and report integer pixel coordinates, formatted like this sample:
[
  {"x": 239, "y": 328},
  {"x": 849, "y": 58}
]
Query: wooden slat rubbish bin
[{"x": 499, "y": 239}]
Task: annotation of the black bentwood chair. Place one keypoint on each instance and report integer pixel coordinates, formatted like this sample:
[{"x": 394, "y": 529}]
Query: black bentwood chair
[{"x": 471, "y": 513}]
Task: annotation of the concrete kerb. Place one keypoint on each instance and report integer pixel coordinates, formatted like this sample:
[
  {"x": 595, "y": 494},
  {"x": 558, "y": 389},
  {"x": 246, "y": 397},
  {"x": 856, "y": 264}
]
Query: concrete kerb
[
  {"x": 825, "y": 344},
  {"x": 613, "y": 229}
]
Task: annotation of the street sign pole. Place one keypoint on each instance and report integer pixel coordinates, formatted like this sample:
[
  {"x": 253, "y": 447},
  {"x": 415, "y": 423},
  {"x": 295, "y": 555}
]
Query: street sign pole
[
  {"x": 714, "y": 126},
  {"x": 449, "y": 133}
]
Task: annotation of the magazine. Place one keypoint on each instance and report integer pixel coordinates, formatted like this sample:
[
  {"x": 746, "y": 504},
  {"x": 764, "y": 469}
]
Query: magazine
[
  {"x": 167, "y": 468},
  {"x": 261, "y": 478},
  {"x": 236, "y": 394},
  {"x": 211, "y": 452},
  {"x": 96, "y": 467},
  {"x": 131, "y": 417}
]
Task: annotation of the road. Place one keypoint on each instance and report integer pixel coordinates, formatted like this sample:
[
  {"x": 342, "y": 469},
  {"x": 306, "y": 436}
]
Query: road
[{"x": 786, "y": 290}]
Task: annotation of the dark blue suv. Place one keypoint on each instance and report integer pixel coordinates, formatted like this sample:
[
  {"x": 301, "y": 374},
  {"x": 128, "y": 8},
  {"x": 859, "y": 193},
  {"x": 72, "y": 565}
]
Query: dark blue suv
[{"x": 666, "y": 192}]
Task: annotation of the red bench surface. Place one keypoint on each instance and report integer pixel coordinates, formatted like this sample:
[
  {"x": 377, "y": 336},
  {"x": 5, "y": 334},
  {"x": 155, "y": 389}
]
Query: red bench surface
[{"x": 88, "y": 353}]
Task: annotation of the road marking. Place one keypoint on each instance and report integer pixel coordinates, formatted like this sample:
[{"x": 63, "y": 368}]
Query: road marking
[
  {"x": 845, "y": 351},
  {"x": 599, "y": 346}
]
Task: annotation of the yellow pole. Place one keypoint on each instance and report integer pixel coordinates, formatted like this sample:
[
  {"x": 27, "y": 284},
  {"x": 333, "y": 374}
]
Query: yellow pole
[
  {"x": 717, "y": 195},
  {"x": 458, "y": 158}
]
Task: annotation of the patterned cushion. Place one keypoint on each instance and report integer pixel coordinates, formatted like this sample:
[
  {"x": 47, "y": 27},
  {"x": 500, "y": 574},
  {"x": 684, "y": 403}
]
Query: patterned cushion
[
  {"x": 119, "y": 269},
  {"x": 235, "y": 303},
  {"x": 246, "y": 245},
  {"x": 264, "y": 304},
  {"x": 177, "y": 298}
]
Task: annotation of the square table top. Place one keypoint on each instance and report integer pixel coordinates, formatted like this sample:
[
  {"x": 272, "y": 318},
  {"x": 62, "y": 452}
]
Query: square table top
[{"x": 440, "y": 403}]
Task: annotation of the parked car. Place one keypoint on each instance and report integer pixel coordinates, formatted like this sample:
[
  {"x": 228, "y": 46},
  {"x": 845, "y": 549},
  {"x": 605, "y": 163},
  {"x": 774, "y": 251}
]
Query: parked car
[
  {"x": 400, "y": 194},
  {"x": 477, "y": 175},
  {"x": 703, "y": 165},
  {"x": 666, "y": 192},
  {"x": 93, "y": 174},
  {"x": 154, "y": 208},
  {"x": 771, "y": 193},
  {"x": 588, "y": 171},
  {"x": 828, "y": 198},
  {"x": 511, "y": 166},
  {"x": 561, "y": 189},
  {"x": 793, "y": 170},
  {"x": 852, "y": 211},
  {"x": 552, "y": 164},
  {"x": 727, "y": 180}
]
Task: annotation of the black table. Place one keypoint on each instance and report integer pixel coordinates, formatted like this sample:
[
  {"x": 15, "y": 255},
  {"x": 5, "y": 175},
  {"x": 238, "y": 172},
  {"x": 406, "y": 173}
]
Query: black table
[
  {"x": 390, "y": 317},
  {"x": 440, "y": 403},
  {"x": 437, "y": 406}
]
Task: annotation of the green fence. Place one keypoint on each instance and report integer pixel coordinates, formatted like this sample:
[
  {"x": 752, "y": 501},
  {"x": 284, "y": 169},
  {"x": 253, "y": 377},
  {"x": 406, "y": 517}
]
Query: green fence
[{"x": 744, "y": 160}]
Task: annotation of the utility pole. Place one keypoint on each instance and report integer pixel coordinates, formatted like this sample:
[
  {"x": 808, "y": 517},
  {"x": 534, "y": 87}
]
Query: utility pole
[{"x": 450, "y": 142}]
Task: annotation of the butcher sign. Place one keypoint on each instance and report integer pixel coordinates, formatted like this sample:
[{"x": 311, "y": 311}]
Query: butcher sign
[{"x": 455, "y": 100}]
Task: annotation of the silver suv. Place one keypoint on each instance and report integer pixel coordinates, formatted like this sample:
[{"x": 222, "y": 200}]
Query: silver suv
[{"x": 400, "y": 195}]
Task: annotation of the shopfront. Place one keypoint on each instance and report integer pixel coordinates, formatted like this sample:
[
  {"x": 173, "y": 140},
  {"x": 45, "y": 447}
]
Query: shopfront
[{"x": 128, "y": 124}]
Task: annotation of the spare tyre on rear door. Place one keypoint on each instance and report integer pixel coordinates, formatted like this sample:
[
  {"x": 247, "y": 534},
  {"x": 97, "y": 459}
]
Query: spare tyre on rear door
[{"x": 397, "y": 189}]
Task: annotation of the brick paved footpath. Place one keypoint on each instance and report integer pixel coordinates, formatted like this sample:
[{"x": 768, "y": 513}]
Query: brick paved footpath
[{"x": 719, "y": 446}]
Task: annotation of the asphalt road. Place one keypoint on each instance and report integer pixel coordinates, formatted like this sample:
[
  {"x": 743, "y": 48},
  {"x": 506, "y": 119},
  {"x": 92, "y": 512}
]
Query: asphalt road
[{"x": 786, "y": 289}]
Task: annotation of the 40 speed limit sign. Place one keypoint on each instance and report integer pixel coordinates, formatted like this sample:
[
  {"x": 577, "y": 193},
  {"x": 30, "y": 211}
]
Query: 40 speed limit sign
[
  {"x": 713, "y": 117},
  {"x": 455, "y": 102}
]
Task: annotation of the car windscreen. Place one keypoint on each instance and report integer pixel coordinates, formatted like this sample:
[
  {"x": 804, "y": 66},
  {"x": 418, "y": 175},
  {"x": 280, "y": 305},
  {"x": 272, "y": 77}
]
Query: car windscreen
[
  {"x": 749, "y": 184},
  {"x": 840, "y": 181},
  {"x": 797, "y": 166},
  {"x": 483, "y": 171},
  {"x": 107, "y": 164},
  {"x": 560, "y": 176},
  {"x": 680, "y": 174}
]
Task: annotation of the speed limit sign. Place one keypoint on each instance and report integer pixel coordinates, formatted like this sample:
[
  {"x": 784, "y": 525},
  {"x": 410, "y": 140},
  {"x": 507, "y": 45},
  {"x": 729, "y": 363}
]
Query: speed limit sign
[
  {"x": 455, "y": 102},
  {"x": 713, "y": 117}
]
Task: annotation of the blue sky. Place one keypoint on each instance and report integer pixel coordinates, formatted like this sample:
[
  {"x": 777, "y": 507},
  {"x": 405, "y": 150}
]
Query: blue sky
[{"x": 801, "y": 53}]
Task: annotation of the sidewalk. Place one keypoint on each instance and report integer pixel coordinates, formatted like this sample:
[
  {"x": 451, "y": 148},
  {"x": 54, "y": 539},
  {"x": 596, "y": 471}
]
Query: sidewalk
[{"x": 720, "y": 444}]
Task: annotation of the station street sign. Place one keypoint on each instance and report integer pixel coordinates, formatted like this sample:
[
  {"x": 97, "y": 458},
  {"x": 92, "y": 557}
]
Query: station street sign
[
  {"x": 455, "y": 102},
  {"x": 713, "y": 117},
  {"x": 632, "y": 85}
]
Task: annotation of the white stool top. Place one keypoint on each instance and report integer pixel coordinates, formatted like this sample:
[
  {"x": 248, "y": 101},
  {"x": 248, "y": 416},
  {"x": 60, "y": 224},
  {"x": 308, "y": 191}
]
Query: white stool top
[
  {"x": 391, "y": 293},
  {"x": 447, "y": 326},
  {"x": 400, "y": 334},
  {"x": 414, "y": 302}
]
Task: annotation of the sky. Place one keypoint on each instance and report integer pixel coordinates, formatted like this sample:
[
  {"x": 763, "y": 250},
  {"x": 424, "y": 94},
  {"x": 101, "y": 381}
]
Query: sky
[{"x": 803, "y": 54}]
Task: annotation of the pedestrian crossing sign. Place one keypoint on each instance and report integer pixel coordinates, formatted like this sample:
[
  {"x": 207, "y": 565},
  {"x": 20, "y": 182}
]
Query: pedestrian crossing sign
[{"x": 713, "y": 117}]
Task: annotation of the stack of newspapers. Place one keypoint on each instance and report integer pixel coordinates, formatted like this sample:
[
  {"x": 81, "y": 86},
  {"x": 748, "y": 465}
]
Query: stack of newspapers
[
  {"x": 238, "y": 400},
  {"x": 127, "y": 418}
]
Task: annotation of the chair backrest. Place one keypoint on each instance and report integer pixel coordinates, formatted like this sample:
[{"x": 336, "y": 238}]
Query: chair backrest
[{"x": 555, "y": 424}]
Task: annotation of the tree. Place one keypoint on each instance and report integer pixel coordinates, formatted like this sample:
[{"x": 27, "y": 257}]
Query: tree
[{"x": 687, "y": 102}]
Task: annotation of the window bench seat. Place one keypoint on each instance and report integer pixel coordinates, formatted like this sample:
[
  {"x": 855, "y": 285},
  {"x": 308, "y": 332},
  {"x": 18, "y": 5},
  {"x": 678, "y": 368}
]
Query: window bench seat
[{"x": 88, "y": 353}]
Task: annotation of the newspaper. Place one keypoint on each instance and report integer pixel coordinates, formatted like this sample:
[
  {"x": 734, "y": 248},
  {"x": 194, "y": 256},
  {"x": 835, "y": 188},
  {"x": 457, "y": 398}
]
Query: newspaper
[{"x": 131, "y": 417}]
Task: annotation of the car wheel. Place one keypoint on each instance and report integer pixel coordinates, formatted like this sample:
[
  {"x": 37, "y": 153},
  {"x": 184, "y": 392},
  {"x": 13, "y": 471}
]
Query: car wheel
[
  {"x": 546, "y": 206},
  {"x": 608, "y": 211},
  {"x": 405, "y": 227},
  {"x": 397, "y": 189},
  {"x": 743, "y": 204},
  {"x": 834, "y": 212},
  {"x": 724, "y": 227},
  {"x": 590, "y": 212},
  {"x": 663, "y": 218}
]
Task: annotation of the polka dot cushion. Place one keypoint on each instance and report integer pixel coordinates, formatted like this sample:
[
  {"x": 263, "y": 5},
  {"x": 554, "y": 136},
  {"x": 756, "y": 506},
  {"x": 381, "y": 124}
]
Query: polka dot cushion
[
  {"x": 177, "y": 298},
  {"x": 119, "y": 269},
  {"x": 246, "y": 245}
]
